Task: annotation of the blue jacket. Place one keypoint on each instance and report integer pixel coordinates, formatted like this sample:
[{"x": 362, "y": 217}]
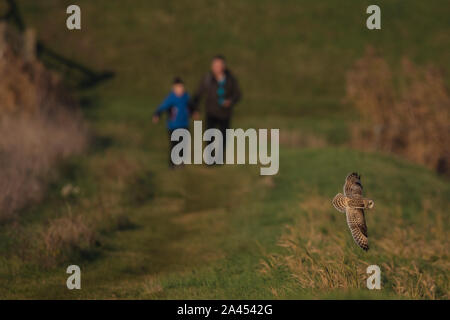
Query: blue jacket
[{"x": 178, "y": 110}]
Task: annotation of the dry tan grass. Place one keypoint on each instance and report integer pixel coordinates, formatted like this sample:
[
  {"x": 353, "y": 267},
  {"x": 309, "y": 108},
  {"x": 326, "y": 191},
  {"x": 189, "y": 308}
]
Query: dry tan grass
[
  {"x": 151, "y": 286},
  {"x": 413, "y": 121},
  {"x": 315, "y": 257},
  {"x": 63, "y": 235},
  {"x": 38, "y": 124},
  {"x": 30, "y": 148},
  {"x": 319, "y": 254}
]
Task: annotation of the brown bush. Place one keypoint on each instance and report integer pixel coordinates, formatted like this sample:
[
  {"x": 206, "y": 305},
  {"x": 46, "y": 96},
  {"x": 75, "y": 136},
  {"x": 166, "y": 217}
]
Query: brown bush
[
  {"x": 30, "y": 147},
  {"x": 39, "y": 124},
  {"x": 26, "y": 86},
  {"x": 65, "y": 235},
  {"x": 412, "y": 121}
]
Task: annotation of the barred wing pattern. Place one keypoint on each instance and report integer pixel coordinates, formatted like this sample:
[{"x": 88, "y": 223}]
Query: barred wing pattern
[
  {"x": 357, "y": 224},
  {"x": 339, "y": 202}
]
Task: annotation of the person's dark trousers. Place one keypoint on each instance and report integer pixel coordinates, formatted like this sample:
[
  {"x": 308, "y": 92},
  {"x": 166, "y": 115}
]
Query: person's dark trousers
[
  {"x": 222, "y": 125},
  {"x": 171, "y": 145}
]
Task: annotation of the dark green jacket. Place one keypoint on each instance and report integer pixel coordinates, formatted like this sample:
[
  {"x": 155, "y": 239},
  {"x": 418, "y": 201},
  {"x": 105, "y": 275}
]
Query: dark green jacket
[{"x": 207, "y": 89}]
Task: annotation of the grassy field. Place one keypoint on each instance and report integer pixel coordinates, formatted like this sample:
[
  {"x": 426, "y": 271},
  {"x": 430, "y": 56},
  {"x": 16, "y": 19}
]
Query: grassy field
[{"x": 139, "y": 230}]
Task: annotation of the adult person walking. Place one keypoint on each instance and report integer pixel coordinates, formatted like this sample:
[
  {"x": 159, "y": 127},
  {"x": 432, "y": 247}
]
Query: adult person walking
[{"x": 221, "y": 91}]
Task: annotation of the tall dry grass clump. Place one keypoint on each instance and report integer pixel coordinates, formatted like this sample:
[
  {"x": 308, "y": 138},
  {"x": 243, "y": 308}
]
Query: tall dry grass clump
[
  {"x": 39, "y": 123},
  {"x": 66, "y": 235},
  {"x": 412, "y": 121}
]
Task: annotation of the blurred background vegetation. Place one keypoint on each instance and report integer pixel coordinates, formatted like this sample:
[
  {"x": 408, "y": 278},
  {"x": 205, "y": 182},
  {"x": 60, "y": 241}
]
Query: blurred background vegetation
[{"x": 344, "y": 97}]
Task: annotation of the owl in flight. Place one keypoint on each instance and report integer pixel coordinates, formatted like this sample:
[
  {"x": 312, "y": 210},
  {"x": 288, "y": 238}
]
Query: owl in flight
[{"x": 353, "y": 204}]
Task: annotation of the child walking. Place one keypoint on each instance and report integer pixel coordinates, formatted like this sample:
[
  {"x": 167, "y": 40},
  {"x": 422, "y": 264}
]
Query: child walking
[{"x": 176, "y": 105}]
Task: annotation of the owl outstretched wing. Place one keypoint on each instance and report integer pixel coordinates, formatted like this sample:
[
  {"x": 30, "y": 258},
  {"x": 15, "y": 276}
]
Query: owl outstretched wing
[
  {"x": 339, "y": 202},
  {"x": 357, "y": 224}
]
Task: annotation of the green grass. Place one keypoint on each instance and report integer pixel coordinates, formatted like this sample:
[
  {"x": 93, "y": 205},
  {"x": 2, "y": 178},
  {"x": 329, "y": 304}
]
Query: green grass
[
  {"x": 186, "y": 242},
  {"x": 216, "y": 232}
]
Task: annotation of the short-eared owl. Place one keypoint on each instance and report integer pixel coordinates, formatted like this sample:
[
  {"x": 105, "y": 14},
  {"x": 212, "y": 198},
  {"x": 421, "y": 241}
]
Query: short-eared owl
[{"x": 353, "y": 204}]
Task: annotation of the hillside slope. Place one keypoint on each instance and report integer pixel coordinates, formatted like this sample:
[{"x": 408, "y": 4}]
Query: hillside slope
[
  {"x": 139, "y": 230},
  {"x": 187, "y": 241}
]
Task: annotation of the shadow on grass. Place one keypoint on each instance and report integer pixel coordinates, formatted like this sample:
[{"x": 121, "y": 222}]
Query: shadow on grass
[
  {"x": 101, "y": 142},
  {"x": 141, "y": 189}
]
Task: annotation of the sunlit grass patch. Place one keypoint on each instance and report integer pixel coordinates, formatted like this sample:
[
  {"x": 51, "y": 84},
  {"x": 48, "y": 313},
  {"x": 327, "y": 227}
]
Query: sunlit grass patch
[{"x": 318, "y": 256}]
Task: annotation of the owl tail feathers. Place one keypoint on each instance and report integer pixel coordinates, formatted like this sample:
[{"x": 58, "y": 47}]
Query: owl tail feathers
[{"x": 339, "y": 202}]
